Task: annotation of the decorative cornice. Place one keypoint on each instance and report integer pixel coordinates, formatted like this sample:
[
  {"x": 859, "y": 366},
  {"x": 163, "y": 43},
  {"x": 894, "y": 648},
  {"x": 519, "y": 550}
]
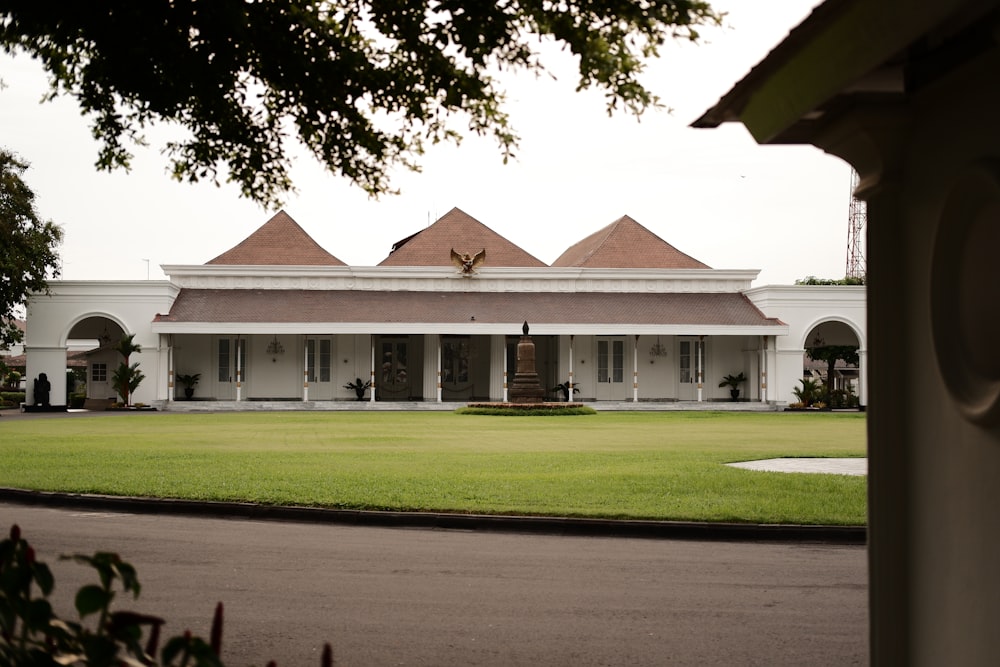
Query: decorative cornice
[{"x": 445, "y": 279}]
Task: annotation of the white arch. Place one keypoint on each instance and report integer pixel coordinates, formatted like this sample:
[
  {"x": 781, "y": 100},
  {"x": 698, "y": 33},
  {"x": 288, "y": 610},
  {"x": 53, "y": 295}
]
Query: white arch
[
  {"x": 64, "y": 336},
  {"x": 857, "y": 330}
]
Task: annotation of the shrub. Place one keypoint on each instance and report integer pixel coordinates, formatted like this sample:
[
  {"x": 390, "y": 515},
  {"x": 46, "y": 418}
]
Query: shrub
[
  {"x": 14, "y": 397},
  {"x": 809, "y": 393},
  {"x": 526, "y": 410},
  {"x": 32, "y": 634},
  {"x": 843, "y": 398},
  {"x": 12, "y": 380}
]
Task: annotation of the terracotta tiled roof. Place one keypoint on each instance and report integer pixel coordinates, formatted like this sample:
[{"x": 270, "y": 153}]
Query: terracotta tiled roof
[
  {"x": 76, "y": 359},
  {"x": 279, "y": 241},
  {"x": 457, "y": 229},
  {"x": 360, "y": 306},
  {"x": 625, "y": 244}
]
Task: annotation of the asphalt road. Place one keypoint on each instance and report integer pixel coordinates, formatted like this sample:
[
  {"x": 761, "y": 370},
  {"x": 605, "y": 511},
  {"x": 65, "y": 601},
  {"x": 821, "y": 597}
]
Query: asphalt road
[{"x": 395, "y": 596}]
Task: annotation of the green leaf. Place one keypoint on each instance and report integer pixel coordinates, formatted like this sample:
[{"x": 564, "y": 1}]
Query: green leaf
[
  {"x": 130, "y": 580},
  {"x": 44, "y": 579},
  {"x": 38, "y": 615},
  {"x": 92, "y": 598}
]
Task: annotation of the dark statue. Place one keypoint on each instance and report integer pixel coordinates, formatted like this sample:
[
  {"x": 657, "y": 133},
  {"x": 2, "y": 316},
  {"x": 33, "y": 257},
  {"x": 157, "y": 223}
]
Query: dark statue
[
  {"x": 526, "y": 388},
  {"x": 42, "y": 389}
]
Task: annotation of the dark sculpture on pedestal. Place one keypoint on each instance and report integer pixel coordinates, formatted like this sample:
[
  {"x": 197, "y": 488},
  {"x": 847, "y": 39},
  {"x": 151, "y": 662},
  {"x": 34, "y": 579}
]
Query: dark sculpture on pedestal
[
  {"x": 42, "y": 389},
  {"x": 527, "y": 388}
]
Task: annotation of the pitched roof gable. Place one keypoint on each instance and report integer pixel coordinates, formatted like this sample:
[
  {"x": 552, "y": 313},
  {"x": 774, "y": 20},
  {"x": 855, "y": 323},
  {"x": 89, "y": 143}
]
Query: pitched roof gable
[
  {"x": 456, "y": 229},
  {"x": 625, "y": 244},
  {"x": 279, "y": 241}
]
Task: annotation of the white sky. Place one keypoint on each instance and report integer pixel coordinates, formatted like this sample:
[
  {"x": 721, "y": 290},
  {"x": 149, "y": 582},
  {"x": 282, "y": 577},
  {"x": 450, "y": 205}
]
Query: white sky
[{"x": 713, "y": 194}]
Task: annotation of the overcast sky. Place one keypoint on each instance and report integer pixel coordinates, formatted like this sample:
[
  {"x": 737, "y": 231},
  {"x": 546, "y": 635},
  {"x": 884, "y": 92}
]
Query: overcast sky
[{"x": 713, "y": 194}]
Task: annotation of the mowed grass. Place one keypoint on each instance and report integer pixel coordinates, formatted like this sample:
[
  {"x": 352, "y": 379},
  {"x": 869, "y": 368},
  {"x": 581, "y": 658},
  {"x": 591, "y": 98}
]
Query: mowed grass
[{"x": 641, "y": 465}]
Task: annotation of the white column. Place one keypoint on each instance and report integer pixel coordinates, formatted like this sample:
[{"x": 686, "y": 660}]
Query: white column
[
  {"x": 506, "y": 371},
  {"x": 571, "y": 384},
  {"x": 498, "y": 378},
  {"x": 765, "y": 341},
  {"x": 239, "y": 370},
  {"x": 371, "y": 397},
  {"x": 51, "y": 361},
  {"x": 440, "y": 393},
  {"x": 170, "y": 367},
  {"x": 635, "y": 371},
  {"x": 699, "y": 364},
  {"x": 863, "y": 377},
  {"x": 305, "y": 369},
  {"x": 428, "y": 375}
]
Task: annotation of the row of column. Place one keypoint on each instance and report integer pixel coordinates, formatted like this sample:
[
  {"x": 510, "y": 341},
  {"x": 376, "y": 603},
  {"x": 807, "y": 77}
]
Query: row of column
[{"x": 499, "y": 357}]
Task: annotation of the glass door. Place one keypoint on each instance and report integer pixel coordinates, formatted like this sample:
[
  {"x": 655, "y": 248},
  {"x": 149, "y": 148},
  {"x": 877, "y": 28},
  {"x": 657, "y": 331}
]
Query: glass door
[
  {"x": 228, "y": 352},
  {"x": 456, "y": 379},
  {"x": 393, "y": 374},
  {"x": 690, "y": 357},
  {"x": 319, "y": 354},
  {"x": 611, "y": 369}
]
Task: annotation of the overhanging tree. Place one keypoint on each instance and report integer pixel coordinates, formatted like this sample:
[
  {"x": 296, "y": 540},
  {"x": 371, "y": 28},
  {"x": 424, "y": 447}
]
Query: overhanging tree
[
  {"x": 365, "y": 84},
  {"x": 27, "y": 246}
]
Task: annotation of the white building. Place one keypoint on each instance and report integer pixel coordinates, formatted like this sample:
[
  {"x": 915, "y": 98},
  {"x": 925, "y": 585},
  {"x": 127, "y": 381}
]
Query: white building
[{"x": 622, "y": 313}]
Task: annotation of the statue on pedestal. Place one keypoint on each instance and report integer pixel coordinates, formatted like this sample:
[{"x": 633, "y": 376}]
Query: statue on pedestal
[
  {"x": 527, "y": 388},
  {"x": 42, "y": 389}
]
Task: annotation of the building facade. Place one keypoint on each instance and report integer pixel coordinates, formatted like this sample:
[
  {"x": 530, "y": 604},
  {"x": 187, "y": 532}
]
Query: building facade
[{"x": 622, "y": 316}]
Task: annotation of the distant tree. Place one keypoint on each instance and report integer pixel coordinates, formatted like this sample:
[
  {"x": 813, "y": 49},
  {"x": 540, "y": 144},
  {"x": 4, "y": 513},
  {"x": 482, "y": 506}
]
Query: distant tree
[
  {"x": 846, "y": 280},
  {"x": 27, "y": 246},
  {"x": 831, "y": 354},
  {"x": 364, "y": 84}
]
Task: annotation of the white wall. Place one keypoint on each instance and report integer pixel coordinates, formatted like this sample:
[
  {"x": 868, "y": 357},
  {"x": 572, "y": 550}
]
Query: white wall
[
  {"x": 804, "y": 308},
  {"x": 130, "y": 304}
]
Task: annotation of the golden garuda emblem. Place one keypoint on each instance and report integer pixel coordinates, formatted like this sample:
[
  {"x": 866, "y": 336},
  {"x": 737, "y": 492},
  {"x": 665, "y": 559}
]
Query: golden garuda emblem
[{"x": 467, "y": 263}]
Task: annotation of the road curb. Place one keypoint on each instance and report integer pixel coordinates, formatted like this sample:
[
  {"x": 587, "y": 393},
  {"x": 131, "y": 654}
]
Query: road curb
[{"x": 674, "y": 530}]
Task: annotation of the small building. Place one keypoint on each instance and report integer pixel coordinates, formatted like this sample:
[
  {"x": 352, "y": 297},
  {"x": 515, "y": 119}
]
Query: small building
[{"x": 622, "y": 314}]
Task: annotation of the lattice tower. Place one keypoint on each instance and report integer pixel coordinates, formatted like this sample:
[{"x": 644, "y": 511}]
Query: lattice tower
[{"x": 856, "y": 221}]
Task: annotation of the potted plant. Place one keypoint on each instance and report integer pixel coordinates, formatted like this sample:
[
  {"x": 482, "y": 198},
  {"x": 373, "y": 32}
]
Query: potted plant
[
  {"x": 189, "y": 382},
  {"x": 733, "y": 382},
  {"x": 359, "y": 388},
  {"x": 564, "y": 389}
]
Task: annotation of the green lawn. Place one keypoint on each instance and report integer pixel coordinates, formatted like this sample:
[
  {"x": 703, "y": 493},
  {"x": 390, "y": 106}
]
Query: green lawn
[{"x": 646, "y": 465}]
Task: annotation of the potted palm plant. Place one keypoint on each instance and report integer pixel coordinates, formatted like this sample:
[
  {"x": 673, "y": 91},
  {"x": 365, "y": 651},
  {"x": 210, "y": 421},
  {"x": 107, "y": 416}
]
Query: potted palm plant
[
  {"x": 359, "y": 388},
  {"x": 189, "y": 382},
  {"x": 733, "y": 382}
]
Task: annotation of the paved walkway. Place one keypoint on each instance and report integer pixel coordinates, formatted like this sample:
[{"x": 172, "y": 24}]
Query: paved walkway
[{"x": 853, "y": 466}]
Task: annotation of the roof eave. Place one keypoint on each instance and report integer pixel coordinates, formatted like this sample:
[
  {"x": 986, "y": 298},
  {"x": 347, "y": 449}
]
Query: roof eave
[
  {"x": 776, "y": 328},
  {"x": 843, "y": 49}
]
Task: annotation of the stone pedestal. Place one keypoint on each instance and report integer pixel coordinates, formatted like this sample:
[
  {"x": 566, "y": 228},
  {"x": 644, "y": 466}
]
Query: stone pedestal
[{"x": 526, "y": 388}]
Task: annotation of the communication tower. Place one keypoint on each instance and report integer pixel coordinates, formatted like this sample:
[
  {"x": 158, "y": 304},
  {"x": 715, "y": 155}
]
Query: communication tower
[{"x": 856, "y": 221}]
